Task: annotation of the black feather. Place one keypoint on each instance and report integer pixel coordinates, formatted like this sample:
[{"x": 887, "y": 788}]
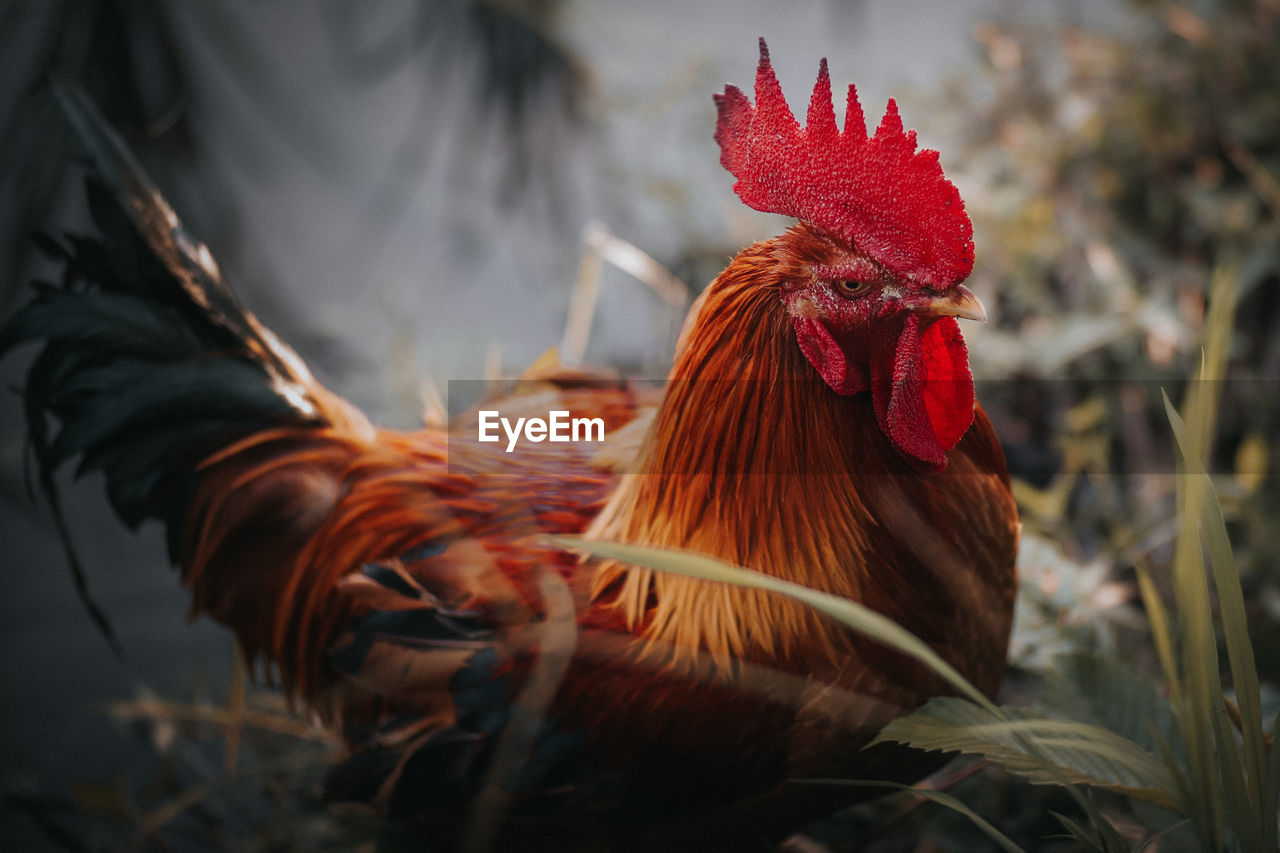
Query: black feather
[
  {"x": 114, "y": 323},
  {"x": 149, "y": 363},
  {"x": 172, "y": 394},
  {"x": 126, "y": 188},
  {"x": 391, "y": 579}
]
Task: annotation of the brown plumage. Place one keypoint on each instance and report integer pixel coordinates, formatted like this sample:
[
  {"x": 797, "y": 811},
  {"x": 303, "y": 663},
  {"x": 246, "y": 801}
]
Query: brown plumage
[
  {"x": 818, "y": 425},
  {"x": 777, "y": 473}
]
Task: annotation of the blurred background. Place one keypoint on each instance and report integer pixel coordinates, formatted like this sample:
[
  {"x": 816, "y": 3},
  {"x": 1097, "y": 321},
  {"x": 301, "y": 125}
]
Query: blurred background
[{"x": 405, "y": 191}]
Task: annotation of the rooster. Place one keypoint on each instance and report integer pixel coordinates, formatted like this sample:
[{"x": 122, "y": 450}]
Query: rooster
[{"x": 819, "y": 425}]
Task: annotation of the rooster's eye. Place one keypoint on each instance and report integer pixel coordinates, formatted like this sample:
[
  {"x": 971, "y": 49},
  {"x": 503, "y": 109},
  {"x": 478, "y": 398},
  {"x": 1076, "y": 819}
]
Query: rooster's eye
[{"x": 852, "y": 288}]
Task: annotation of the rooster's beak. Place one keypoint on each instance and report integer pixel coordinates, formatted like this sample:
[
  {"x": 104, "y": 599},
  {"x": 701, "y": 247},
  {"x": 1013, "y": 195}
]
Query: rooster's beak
[{"x": 958, "y": 301}]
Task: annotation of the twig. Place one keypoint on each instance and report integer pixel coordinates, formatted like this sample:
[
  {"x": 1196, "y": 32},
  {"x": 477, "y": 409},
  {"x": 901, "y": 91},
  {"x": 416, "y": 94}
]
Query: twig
[
  {"x": 151, "y": 823},
  {"x": 556, "y": 643},
  {"x": 158, "y": 709},
  {"x": 582, "y": 305},
  {"x": 600, "y": 245}
]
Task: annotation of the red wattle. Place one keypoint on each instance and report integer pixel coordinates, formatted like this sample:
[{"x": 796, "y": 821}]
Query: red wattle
[
  {"x": 948, "y": 382},
  {"x": 828, "y": 357},
  {"x": 923, "y": 395}
]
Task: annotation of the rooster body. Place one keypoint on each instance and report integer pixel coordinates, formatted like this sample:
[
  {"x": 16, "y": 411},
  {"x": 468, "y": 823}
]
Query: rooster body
[{"x": 404, "y": 585}]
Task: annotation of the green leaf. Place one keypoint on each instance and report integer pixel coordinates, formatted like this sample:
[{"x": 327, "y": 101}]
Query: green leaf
[{"x": 1042, "y": 749}]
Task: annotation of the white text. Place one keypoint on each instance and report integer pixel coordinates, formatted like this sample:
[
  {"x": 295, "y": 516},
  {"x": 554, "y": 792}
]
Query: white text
[{"x": 558, "y": 426}]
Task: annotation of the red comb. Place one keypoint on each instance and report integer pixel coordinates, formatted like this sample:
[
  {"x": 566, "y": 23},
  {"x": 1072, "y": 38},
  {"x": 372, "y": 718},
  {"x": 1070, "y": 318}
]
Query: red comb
[{"x": 885, "y": 198}]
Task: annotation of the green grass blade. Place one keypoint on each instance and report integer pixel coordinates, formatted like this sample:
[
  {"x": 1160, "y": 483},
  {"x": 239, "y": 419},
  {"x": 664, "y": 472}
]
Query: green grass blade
[
  {"x": 1199, "y": 652},
  {"x": 1077, "y": 832},
  {"x": 1236, "y": 805},
  {"x": 1108, "y": 840},
  {"x": 1161, "y": 634},
  {"x": 941, "y": 798},
  {"x": 1202, "y": 397},
  {"x": 850, "y": 613},
  {"x": 1202, "y": 699},
  {"x": 1255, "y": 824},
  {"x": 1251, "y": 786}
]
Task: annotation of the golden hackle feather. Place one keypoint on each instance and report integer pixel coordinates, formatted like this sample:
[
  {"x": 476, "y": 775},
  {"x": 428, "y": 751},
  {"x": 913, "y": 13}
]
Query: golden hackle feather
[
  {"x": 737, "y": 402},
  {"x": 805, "y": 487}
]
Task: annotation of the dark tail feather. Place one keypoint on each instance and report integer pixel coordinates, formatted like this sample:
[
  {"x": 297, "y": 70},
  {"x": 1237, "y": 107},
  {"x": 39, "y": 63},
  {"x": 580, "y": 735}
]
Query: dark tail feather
[
  {"x": 191, "y": 268},
  {"x": 150, "y": 364}
]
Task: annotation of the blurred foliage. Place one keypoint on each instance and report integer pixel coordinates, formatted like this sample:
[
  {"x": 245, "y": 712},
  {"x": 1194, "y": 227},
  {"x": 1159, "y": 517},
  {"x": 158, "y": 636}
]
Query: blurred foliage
[
  {"x": 1206, "y": 764},
  {"x": 134, "y": 59},
  {"x": 529, "y": 85},
  {"x": 1116, "y": 175},
  {"x": 1118, "y": 167},
  {"x": 1109, "y": 172},
  {"x": 1064, "y": 607},
  {"x": 243, "y": 773}
]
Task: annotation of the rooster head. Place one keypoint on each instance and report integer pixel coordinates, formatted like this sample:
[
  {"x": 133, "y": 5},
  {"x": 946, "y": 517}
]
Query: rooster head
[{"x": 870, "y": 277}]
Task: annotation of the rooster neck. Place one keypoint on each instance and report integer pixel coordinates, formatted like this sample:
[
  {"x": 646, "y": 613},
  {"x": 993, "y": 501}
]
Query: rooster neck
[{"x": 751, "y": 458}]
